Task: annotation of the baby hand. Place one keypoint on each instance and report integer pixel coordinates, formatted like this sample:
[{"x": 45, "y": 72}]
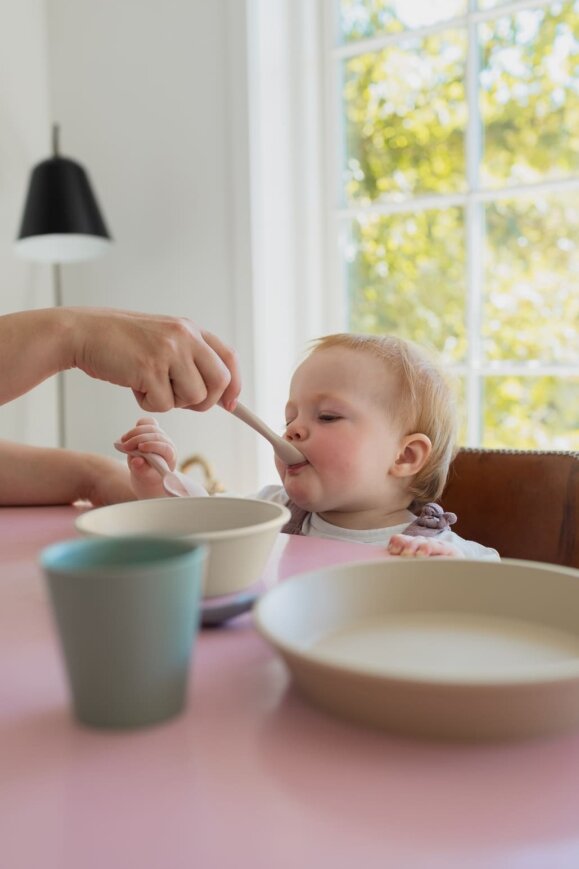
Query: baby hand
[
  {"x": 421, "y": 547},
  {"x": 147, "y": 437}
]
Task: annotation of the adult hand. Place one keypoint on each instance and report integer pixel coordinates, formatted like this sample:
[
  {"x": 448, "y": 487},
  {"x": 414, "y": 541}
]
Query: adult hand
[{"x": 167, "y": 361}]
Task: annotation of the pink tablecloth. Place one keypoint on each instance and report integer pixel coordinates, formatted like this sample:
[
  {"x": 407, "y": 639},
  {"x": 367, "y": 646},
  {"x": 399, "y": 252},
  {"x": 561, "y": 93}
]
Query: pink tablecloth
[{"x": 251, "y": 775}]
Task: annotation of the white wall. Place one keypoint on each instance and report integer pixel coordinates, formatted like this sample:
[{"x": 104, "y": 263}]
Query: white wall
[
  {"x": 24, "y": 139},
  {"x": 151, "y": 98}
]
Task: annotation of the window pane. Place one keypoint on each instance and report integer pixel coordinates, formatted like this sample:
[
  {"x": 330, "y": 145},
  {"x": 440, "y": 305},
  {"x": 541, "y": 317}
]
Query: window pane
[
  {"x": 364, "y": 19},
  {"x": 530, "y": 95},
  {"x": 531, "y": 301},
  {"x": 406, "y": 275},
  {"x": 405, "y": 116},
  {"x": 531, "y": 413}
]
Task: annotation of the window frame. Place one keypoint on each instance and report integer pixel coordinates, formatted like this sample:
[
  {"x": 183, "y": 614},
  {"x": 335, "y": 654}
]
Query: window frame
[{"x": 474, "y": 370}]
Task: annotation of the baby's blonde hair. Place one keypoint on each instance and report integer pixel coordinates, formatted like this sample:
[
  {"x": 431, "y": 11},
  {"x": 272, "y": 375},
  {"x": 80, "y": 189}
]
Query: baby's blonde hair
[{"x": 426, "y": 402}]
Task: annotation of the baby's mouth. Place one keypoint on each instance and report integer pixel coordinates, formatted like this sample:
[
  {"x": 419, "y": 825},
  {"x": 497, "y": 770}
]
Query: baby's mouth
[{"x": 293, "y": 469}]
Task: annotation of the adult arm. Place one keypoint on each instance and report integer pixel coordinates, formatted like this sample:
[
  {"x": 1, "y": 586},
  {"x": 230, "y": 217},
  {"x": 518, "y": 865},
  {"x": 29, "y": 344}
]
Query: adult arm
[
  {"x": 167, "y": 361},
  {"x": 42, "y": 475}
]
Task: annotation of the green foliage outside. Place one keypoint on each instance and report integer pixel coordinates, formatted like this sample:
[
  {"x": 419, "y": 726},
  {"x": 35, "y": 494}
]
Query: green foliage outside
[{"x": 405, "y": 122}]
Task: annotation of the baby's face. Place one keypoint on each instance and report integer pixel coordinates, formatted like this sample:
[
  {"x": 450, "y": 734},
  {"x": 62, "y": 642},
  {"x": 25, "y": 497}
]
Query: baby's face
[{"x": 341, "y": 414}]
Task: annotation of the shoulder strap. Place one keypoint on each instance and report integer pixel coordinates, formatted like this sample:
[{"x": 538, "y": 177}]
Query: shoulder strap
[
  {"x": 431, "y": 521},
  {"x": 296, "y": 520}
]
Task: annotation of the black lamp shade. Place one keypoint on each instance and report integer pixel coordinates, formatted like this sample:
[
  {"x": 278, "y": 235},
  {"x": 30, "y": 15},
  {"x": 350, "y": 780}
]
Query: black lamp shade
[{"x": 61, "y": 220}]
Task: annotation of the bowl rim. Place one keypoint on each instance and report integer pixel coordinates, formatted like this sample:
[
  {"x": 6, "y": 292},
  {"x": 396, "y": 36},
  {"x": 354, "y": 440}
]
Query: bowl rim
[{"x": 274, "y": 523}]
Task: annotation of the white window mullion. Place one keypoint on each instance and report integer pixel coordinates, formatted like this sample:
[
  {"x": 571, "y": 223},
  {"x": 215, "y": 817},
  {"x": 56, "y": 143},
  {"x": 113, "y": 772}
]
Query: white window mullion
[
  {"x": 411, "y": 204},
  {"x": 474, "y": 237}
]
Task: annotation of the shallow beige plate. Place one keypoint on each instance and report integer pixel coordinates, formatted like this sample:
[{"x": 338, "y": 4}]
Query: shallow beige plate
[
  {"x": 448, "y": 649},
  {"x": 240, "y": 532}
]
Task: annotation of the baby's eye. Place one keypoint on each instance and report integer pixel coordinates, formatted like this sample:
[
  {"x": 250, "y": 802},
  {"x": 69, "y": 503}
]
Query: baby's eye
[{"x": 329, "y": 417}]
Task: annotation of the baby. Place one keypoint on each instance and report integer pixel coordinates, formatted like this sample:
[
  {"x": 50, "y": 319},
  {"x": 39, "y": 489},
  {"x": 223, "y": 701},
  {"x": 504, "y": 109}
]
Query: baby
[{"x": 375, "y": 420}]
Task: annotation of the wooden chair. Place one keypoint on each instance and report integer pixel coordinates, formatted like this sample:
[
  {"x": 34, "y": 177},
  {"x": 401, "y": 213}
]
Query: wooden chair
[{"x": 525, "y": 504}]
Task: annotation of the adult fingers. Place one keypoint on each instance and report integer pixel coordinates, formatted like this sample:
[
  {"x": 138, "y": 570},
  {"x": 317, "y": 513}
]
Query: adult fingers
[
  {"x": 197, "y": 376},
  {"x": 157, "y": 396},
  {"x": 225, "y": 391},
  {"x": 190, "y": 378},
  {"x": 229, "y": 358}
]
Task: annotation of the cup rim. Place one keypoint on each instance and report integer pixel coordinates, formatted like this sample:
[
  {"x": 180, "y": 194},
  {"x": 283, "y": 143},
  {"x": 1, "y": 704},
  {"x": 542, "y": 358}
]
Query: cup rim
[{"x": 182, "y": 552}]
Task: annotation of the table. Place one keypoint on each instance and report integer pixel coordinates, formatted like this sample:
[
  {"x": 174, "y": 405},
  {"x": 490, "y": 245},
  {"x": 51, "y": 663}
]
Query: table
[{"x": 251, "y": 775}]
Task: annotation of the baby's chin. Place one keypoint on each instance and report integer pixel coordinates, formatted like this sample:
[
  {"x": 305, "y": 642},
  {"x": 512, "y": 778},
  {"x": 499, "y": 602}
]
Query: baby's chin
[
  {"x": 300, "y": 497},
  {"x": 306, "y": 502}
]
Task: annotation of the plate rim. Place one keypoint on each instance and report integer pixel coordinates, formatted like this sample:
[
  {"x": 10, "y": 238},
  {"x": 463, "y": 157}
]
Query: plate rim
[{"x": 567, "y": 673}]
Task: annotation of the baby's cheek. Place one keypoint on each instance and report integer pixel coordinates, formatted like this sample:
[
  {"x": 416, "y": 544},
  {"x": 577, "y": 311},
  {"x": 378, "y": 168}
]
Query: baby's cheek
[{"x": 335, "y": 456}]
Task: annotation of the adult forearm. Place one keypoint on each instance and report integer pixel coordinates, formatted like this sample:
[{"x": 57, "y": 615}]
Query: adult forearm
[
  {"x": 35, "y": 475},
  {"x": 34, "y": 345},
  {"x": 167, "y": 361},
  {"x": 43, "y": 475}
]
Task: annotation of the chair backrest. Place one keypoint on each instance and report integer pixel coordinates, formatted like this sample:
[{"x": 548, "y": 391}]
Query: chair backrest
[{"x": 525, "y": 504}]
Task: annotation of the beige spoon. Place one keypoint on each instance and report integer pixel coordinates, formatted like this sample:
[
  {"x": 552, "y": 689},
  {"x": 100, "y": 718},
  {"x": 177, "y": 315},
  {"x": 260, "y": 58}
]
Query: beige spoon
[
  {"x": 174, "y": 482},
  {"x": 282, "y": 448}
]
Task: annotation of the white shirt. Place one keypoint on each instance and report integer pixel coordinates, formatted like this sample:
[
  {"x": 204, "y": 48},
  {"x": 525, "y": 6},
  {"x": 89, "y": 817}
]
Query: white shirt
[{"x": 314, "y": 526}]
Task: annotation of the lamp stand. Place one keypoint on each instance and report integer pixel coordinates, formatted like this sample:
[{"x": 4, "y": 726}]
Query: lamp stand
[
  {"x": 57, "y": 281},
  {"x": 60, "y": 381}
]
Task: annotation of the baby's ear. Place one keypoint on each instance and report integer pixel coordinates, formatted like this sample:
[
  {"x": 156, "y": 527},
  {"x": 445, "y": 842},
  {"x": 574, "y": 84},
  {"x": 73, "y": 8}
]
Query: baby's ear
[{"x": 412, "y": 455}]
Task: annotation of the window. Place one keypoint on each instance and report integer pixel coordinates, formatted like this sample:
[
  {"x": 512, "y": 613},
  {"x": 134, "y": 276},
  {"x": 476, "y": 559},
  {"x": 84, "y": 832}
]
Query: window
[{"x": 458, "y": 190}]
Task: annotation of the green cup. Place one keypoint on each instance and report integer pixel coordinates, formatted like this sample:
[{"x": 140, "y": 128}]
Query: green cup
[{"x": 127, "y": 612}]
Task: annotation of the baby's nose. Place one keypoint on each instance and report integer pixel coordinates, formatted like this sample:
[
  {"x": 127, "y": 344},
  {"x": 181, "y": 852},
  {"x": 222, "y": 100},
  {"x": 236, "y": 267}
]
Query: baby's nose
[{"x": 295, "y": 431}]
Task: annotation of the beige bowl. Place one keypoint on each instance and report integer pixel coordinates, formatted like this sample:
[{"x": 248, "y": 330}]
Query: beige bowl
[
  {"x": 467, "y": 650},
  {"x": 240, "y": 532}
]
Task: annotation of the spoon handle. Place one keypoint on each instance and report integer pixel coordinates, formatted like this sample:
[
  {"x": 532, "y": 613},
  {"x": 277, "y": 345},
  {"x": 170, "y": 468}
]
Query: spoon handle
[
  {"x": 156, "y": 462},
  {"x": 286, "y": 451},
  {"x": 246, "y": 415}
]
